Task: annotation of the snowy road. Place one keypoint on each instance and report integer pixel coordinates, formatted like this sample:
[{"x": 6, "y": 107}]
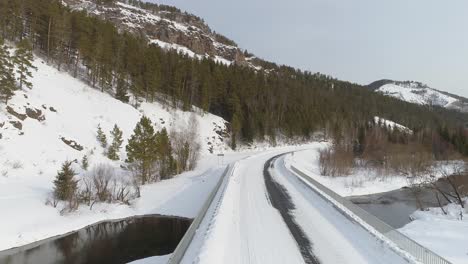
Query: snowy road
[
  {"x": 267, "y": 215},
  {"x": 281, "y": 200}
]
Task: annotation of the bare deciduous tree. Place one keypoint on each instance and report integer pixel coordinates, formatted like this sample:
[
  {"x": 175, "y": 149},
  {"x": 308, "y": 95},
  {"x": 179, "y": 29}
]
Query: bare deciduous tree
[
  {"x": 102, "y": 176},
  {"x": 186, "y": 145}
]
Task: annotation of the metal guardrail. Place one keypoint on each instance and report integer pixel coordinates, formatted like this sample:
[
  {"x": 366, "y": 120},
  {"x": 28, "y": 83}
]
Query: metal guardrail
[
  {"x": 184, "y": 244},
  {"x": 406, "y": 244}
]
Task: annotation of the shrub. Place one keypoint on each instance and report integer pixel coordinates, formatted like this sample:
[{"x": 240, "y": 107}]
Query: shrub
[
  {"x": 336, "y": 161},
  {"x": 17, "y": 165},
  {"x": 101, "y": 179}
]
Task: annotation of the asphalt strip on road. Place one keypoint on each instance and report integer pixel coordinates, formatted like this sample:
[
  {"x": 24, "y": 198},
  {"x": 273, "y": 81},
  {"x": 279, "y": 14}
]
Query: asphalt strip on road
[{"x": 281, "y": 200}]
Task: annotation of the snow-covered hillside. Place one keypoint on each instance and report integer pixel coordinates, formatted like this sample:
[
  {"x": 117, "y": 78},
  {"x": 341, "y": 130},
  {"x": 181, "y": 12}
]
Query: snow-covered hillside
[
  {"x": 417, "y": 93},
  {"x": 392, "y": 125},
  {"x": 59, "y": 108},
  {"x": 57, "y": 121}
]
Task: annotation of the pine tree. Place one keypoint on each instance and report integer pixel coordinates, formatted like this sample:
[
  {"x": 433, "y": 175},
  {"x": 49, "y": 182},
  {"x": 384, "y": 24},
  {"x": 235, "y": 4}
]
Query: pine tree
[
  {"x": 142, "y": 150},
  {"x": 65, "y": 185},
  {"x": 117, "y": 141},
  {"x": 235, "y": 130},
  {"x": 23, "y": 59},
  {"x": 121, "y": 90},
  {"x": 164, "y": 154},
  {"x": 101, "y": 137},
  {"x": 85, "y": 162},
  {"x": 7, "y": 79}
]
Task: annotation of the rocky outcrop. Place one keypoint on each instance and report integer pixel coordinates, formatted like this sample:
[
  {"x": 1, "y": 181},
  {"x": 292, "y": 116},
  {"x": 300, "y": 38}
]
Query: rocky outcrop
[
  {"x": 71, "y": 143},
  {"x": 167, "y": 24},
  {"x": 17, "y": 124},
  {"x": 35, "y": 114},
  {"x": 12, "y": 112}
]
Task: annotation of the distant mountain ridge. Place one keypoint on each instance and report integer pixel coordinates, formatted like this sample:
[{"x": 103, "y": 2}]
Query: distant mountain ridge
[{"x": 419, "y": 93}]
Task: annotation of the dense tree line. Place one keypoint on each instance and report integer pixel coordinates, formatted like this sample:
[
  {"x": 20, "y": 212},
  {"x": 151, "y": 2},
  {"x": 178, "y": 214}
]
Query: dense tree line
[{"x": 284, "y": 101}]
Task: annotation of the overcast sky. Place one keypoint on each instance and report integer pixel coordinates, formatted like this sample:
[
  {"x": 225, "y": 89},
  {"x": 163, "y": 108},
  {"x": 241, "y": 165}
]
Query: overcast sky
[{"x": 356, "y": 40}]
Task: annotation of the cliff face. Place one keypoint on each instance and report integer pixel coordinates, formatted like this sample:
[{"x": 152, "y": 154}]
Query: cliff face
[{"x": 167, "y": 26}]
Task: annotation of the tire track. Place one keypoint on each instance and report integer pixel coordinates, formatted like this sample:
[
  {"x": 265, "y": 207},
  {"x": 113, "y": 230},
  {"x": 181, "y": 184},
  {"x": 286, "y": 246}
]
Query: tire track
[{"x": 281, "y": 200}]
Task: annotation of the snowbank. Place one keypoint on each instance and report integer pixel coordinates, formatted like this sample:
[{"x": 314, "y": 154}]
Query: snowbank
[{"x": 446, "y": 235}]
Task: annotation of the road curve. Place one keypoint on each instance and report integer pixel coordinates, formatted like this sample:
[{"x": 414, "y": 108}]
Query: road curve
[
  {"x": 281, "y": 200},
  {"x": 267, "y": 215}
]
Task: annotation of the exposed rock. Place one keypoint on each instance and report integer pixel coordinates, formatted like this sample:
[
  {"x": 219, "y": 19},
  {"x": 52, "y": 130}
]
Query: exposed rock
[
  {"x": 52, "y": 109},
  {"x": 168, "y": 25},
  {"x": 73, "y": 144},
  {"x": 12, "y": 112},
  {"x": 35, "y": 114},
  {"x": 17, "y": 124}
]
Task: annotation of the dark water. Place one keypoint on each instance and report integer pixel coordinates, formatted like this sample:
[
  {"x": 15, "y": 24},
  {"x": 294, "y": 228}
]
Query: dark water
[
  {"x": 396, "y": 214},
  {"x": 395, "y": 207},
  {"x": 109, "y": 242}
]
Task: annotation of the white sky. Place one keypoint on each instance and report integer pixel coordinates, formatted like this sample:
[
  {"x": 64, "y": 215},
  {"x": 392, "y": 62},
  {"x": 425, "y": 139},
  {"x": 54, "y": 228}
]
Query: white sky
[{"x": 356, "y": 40}]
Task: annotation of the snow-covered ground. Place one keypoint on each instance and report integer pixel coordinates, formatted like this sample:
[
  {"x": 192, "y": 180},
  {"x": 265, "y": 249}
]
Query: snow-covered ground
[
  {"x": 417, "y": 95},
  {"x": 446, "y": 235},
  {"x": 392, "y": 125},
  {"x": 246, "y": 228},
  {"x": 32, "y": 151},
  {"x": 443, "y": 234},
  {"x": 26, "y": 218},
  {"x": 186, "y": 51},
  {"x": 360, "y": 182}
]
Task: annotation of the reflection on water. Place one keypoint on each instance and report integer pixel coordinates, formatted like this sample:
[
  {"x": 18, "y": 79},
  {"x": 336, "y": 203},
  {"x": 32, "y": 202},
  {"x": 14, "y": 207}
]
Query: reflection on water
[
  {"x": 395, "y": 207},
  {"x": 110, "y": 242}
]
